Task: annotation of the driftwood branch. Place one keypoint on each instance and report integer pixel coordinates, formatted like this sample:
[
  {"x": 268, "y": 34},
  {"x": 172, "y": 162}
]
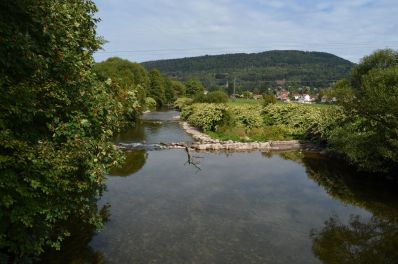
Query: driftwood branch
[{"x": 191, "y": 159}]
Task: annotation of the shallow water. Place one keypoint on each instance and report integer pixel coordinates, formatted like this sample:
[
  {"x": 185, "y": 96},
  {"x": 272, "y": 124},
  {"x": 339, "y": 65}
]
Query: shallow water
[{"x": 237, "y": 208}]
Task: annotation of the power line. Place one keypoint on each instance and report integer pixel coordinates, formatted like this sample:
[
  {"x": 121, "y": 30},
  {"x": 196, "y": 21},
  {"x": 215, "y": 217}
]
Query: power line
[{"x": 330, "y": 44}]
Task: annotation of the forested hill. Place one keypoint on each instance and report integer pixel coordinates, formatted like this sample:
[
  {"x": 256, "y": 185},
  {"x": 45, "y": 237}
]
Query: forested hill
[{"x": 258, "y": 70}]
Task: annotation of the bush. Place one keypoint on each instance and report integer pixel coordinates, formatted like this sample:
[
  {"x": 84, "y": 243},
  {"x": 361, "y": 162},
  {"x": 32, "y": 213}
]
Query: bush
[
  {"x": 305, "y": 121},
  {"x": 181, "y": 102},
  {"x": 246, "y": 116},
  {"x": 207, "y": 117},
  {"x": 150, "y": 103},
  {"x": 273, "y": 122},
  {"x": 212, "y": 97},
  {"x": 269, "y": 99}
]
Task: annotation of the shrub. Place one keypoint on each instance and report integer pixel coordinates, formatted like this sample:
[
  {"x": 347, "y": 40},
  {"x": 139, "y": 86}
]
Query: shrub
[
  {"x": 307, "y": 121},
  {"x": 150, "y": 103},
  {"x": 247, "y": 116},
  {"x": 269, "y": 99},
  {"x": 207, "y": 117},
  {"x": 181, "y": 102},
  {"x": 212, "y": 97}
]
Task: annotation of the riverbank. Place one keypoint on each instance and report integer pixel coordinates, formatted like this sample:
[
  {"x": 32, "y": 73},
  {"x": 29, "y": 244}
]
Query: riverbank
[{"x": 204, "y": 142}]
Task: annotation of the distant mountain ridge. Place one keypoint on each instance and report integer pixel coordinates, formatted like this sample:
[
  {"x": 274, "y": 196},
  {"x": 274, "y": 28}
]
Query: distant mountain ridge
[{"x": 258, "y": 70}]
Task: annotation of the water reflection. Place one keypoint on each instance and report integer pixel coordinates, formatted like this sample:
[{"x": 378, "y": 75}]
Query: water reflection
[
  {"x": 76, "y": 248},
  {"x": 239, "y": 208},
  {"x": 358, "y": 240},
  {"x": 134, "y": 161}
]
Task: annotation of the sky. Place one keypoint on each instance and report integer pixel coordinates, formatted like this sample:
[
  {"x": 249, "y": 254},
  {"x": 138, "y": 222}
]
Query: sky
[{"x": 163, "y": 29}]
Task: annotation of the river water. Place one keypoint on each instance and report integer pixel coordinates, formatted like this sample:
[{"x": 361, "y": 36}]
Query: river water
[{"x": 245, "y": 207}]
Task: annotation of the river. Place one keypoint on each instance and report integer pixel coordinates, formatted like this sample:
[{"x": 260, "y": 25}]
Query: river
[{"x": 247, "y": 207}]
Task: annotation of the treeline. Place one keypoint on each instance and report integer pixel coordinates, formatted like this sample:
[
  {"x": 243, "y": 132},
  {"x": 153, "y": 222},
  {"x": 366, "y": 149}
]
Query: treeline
[
  {"x": 258, "y": 71},
  {"x": 147, "y": 86},
  {"x": 363, "y": 127}
]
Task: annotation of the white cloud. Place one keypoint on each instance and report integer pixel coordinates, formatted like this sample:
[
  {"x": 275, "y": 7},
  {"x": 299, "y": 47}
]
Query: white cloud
[{"x": 350, "y": 29}]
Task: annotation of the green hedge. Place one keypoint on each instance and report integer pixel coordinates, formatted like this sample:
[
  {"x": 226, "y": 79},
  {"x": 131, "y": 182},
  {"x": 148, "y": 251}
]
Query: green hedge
[{"x": 274, "y": 121}]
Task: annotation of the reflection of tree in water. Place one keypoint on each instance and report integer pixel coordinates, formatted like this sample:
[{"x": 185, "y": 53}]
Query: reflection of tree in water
[
  {"x": 374, "y": 241},
  {"x": 361, "y": 240},
  {"x": 76, "y": 249},
  {"x": 374, "y": 194},
  {"x": 135, "y": 160},
  {"x": 132, "y": 134}
]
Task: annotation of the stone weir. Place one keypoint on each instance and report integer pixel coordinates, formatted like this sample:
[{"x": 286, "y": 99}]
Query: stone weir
[{"x": 202, "y": 142}]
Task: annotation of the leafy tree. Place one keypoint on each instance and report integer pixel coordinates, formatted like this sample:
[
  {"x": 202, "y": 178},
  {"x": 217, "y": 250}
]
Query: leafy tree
[
  {"x": 370, "y": 138},
  {"x": 193, "y": 87},
  {"x": 211, "y": 97},
  {"x": 156, "y": 87},
  {"x": 181, "y": 102},
  {"x": 179, "y": 89},
  {"x": 342, "y": 91},
  {"x": 150, "y": 103},
  {"x": 131, "y": 76},
  {"x": 56, "y": 122},
  {"x": 169, "y": 91}
]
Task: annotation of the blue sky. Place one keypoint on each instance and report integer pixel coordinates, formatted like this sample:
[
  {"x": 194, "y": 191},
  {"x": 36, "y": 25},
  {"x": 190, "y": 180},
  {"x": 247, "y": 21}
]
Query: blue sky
[{"x": 161, "y": 29}]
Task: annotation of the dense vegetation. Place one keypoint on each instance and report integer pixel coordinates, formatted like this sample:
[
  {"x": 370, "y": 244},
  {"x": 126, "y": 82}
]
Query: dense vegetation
[
  {"x": 253, "y": 122},
  {"x": 56, "y": 124},
  {"x": 59, "y": 111},
  {"x": 149, "y": 86},
  {"x": 211, "y": 97},
  {"x": 258, "y": 71},
  {"x": 369, "y": 137},
  {"x": 363, "y": 128}
]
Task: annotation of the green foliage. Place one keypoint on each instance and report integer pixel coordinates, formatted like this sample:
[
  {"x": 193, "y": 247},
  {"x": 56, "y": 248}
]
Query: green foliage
[
  {"x": 150, "y": 103},
  {"x": 180, "y": 103},
  {"x": 269, "y": 99},
  {"x": 207, "y": 117},
  {"x": 179, "y": 89},
  {"x": 247, "y": 95},
  {"x": 297, "y": 117},
  {"x": 249, "y": 122},
  {"x": 257, "y": 72},
  {"x": 240, "y": 101},
  {"x": 247, "y": 117},
  {"x": 133, "y": 78},
  {"x": 341, "y": 91},
  {"x": 169, "y": 92},
  {"x": 369, "y": 138},
  {"x": 56, "y": 123},
  {"x": 211, "y": 97},
  {"x": 193, "y": 87},
  {"x": 157, "y": 87},
  {"x": 130, "y": 76},
  {"x": 380, "y": 59}
]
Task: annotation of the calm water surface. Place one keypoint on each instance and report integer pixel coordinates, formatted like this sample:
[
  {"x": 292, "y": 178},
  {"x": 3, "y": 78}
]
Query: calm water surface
[{"x": 237, "y": 208}]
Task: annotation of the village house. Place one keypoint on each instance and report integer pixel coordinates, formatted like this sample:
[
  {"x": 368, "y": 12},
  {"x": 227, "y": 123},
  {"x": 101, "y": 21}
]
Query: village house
[
  {"x": 304, "y": 99},
  {"x": 283, "y": 96}
]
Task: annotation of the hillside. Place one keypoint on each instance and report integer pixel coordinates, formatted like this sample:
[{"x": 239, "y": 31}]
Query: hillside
[{"x": 258, "y": 71}]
